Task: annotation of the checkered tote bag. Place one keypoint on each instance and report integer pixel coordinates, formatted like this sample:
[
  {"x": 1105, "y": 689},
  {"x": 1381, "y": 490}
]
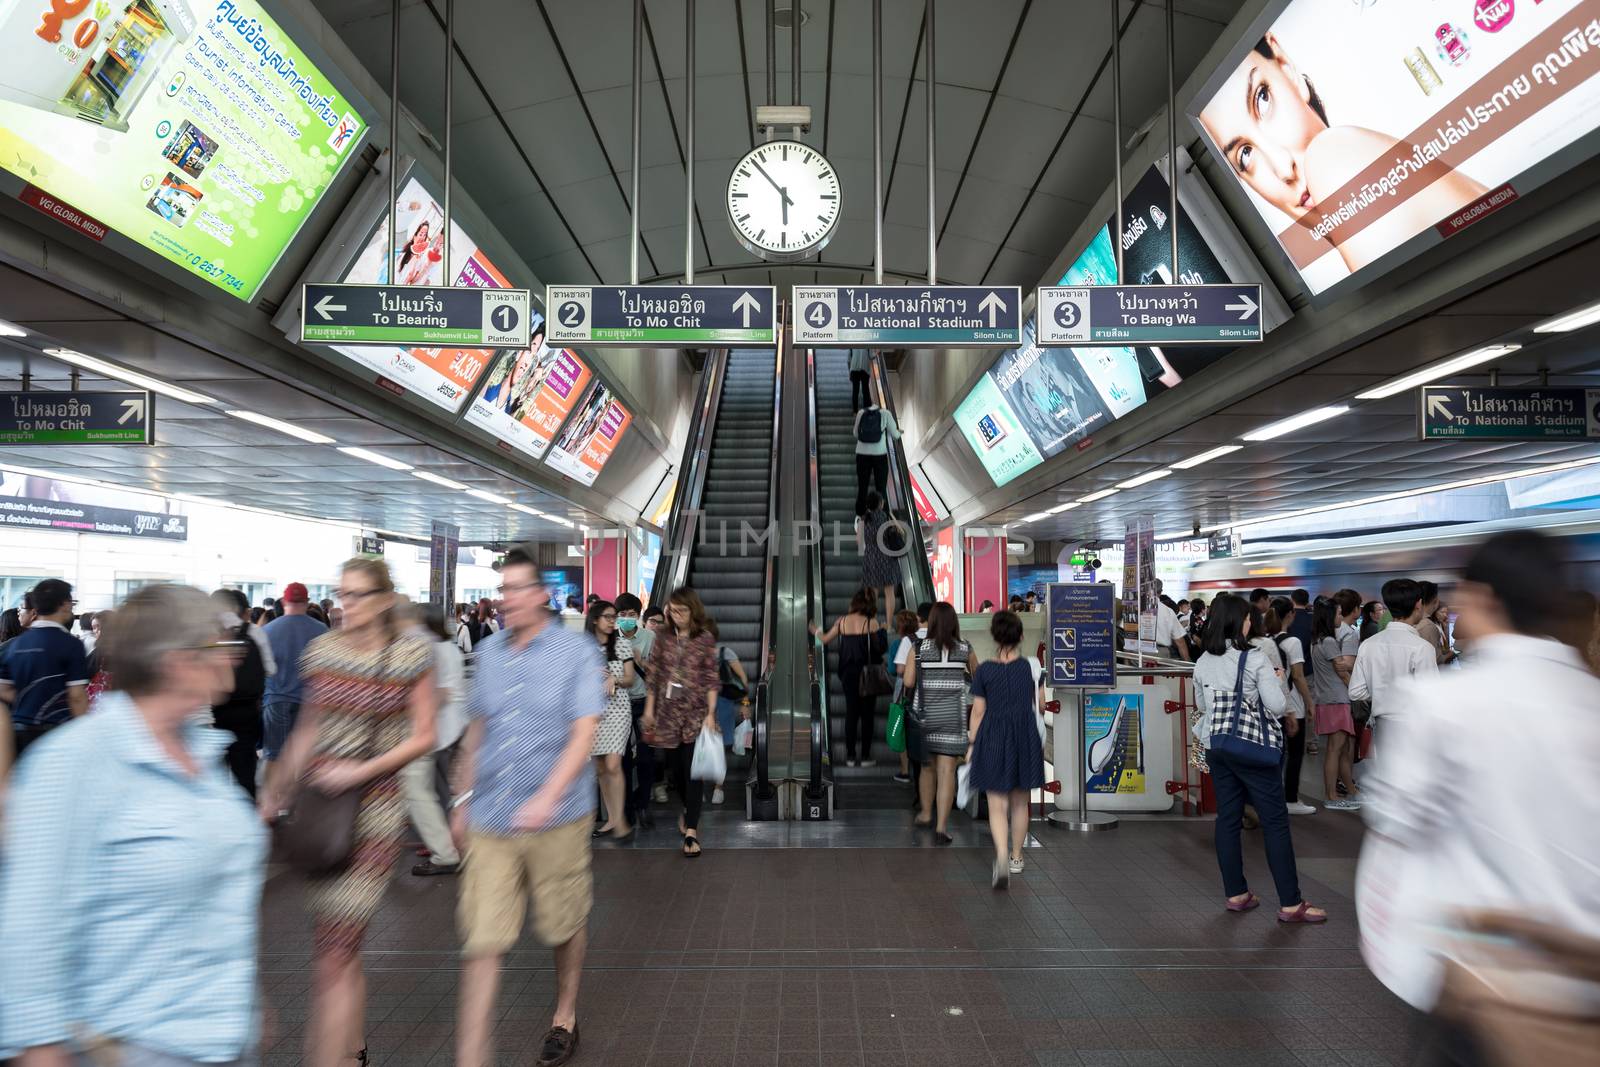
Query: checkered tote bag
[{"x": 1241, "y": 729}]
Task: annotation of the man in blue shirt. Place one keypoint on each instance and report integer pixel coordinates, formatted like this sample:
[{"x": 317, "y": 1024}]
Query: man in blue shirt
[
  {"x": 534, "y": 703},
  {"x": 44, "y": 677},
  {"x": 288, "y": 635}
]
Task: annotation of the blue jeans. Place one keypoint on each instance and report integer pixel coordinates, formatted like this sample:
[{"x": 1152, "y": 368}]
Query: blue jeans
[
  {"x": 1235, "y": 783},
  {"x": 277, "y": 722}
]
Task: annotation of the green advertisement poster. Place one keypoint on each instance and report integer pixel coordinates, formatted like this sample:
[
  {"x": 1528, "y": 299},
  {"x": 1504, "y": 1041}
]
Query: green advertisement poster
[
  {"x": 197, "y": 130},
  {"x": 991, "y": 427}
]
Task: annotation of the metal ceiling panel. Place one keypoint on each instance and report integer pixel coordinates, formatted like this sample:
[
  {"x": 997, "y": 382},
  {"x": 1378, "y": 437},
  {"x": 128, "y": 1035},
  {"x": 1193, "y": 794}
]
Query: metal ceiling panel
[{"x": 557, "y": 136}]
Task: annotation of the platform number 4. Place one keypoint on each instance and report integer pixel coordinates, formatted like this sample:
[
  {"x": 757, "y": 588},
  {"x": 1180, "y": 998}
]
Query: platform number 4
[{"x": 818, "y": 315}]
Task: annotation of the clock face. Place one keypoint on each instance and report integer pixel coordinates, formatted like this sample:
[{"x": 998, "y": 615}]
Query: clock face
[{"x": 783, "y": 200}]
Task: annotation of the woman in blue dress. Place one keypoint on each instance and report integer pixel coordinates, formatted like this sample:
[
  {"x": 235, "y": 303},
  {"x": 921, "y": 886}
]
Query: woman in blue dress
[{"x": 1005, "y": 756}]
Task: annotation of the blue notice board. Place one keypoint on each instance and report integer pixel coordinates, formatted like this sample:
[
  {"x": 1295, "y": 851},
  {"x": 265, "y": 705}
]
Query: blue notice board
[{"x": 1082, "y": 641}]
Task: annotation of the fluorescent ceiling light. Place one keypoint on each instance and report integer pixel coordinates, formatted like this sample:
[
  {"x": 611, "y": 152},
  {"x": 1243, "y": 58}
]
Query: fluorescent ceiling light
[
  {"x": 526, "y": 510},
  {"x": 483, "y": 494},
  {"x": 1206, "y": 457},
  {"x": 1572, "y": 320},
  {"x": 1437, "y": 371},
  {"x": 1059, "y": 508},
  {"x": 438, "y": 479},
  {"x": 8, "y": 329},
  {"x": 1092, "y": 497},
  {"x": 375, "y": 457},
  {"x": 1035, "y": 517},
  {"x": 1145, "y": 479},
  {"x": 283, "y": 427},
  {"x": 1296, "y": 422},
  {"x": 1384, "y": 498},
  {"x": 122, "y": 374},
  {"x": 558, "y": 519}
]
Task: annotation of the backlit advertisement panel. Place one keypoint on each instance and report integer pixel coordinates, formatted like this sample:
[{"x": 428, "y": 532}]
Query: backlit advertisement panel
[
  {"x": 1356, "y": 128},
  {"x": 442, "y": 376},
  {"x": 197, "y": 130},
  {"x": 528, "y": 394},
  {"x": 590, "y": 437},
  {"x": 1057, "y": 397}
]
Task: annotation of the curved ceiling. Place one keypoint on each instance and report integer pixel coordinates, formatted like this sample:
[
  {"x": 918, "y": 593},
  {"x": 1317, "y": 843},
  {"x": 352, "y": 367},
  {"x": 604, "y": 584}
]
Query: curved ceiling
[{"x": 542, "y": 114}]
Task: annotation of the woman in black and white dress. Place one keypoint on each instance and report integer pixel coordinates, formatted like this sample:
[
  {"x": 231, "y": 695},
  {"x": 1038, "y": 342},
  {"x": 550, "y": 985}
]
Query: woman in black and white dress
[
  {"x": 938, "y": 675},
  {"x": 612, "y": 736}
]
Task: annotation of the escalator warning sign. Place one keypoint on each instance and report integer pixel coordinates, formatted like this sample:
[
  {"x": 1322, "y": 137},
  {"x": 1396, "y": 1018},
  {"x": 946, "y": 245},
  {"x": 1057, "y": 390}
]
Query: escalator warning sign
[{"x": 1083, "y": 644}]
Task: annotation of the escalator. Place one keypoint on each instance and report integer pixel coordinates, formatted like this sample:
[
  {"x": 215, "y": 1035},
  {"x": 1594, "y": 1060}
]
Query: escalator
[{"x": 869, "y": 786}]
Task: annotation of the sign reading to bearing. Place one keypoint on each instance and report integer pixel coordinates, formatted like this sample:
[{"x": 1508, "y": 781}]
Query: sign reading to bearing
[{"x": 415, "y": 316}]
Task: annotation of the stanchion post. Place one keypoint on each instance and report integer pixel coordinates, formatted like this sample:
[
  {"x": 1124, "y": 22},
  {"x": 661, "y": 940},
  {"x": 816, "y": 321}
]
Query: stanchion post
[{"x": 1085, "y": 820}]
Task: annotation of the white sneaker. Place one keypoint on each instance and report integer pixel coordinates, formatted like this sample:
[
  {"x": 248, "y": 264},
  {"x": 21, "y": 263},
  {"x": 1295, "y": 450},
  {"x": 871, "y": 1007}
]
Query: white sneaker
[
  {"x": 1343, "y": 804},
  {"x": 716, "y": 796},
  {"x": 1297, "y": 808},
  {"x": 1016, "y": 866},
  {"x": 659, "y": 793}
]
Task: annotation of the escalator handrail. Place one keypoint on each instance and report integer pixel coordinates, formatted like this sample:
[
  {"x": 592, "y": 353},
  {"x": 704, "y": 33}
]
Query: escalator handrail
[
  {"x": 759, "y": 740},
  {"x": 769, "y": 607},
  {"x": 681, "y": 528},
  {"x": 815, "y": 586},
  {"x": 916, "y": 573}
]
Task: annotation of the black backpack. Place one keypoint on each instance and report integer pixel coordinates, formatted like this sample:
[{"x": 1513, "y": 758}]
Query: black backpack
[
  {"x": 894, "y": 539},
  {"x": 240, "y": 711},
  {"x": 869, "y": 427},
  {"x": 732, "y": 687}
]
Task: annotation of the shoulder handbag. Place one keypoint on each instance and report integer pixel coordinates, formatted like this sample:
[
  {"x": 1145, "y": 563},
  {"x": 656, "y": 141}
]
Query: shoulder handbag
[
  {"x": 317, "y": 835},
  {"x": 1241, "y": 730},
  {"x": 875, "y": 680}
]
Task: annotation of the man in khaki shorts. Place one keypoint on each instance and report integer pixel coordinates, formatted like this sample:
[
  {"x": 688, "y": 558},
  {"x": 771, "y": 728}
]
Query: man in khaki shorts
[{"x": 525, "y": 807}]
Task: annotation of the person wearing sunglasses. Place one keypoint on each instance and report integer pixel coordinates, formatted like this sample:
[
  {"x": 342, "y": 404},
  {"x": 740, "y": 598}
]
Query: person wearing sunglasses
[{"x": 131, "y": 893}]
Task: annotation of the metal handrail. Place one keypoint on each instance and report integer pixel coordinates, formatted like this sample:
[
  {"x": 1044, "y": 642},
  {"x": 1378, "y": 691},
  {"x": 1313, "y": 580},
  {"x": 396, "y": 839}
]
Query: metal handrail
[
  {"x": 816, "y": 588},
  {"x": 769, "y": 608},
  {"x": 916, "y": 573},
  {"x": 759, "y": 740},
  {"x": 682, "y": 530}
]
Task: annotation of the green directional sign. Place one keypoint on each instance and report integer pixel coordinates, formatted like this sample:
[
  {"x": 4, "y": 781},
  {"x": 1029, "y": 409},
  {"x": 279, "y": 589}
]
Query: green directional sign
[
  {"x": 662, "y": 316},
  {"x": 76, "y": 418},
  {"x": 415, "y": 316}
]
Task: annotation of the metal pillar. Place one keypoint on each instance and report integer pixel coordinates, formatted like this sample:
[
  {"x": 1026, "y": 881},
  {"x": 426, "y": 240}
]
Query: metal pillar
[
  {"x": 449, "y": 122},
  {"x": 794, "y": 53},
  {"x": 877, "y": 141},
  {"x": 1172, "y": 147},
  {"x": 1116, "y": 131},
  {"x": 633, "y": 195},
  {"x": 1085, "y": 821},
  {"x": 688, "y": 166},
  {"x": 933, "y": 229},
  {"x": 394, "y": 122}
]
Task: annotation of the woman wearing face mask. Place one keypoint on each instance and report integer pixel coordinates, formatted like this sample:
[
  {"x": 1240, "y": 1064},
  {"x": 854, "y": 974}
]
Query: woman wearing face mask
[
  {"x": 1272, "y": 127},
  {"x": 369, "y": 711},
  {"x": 612, "y": 735}
]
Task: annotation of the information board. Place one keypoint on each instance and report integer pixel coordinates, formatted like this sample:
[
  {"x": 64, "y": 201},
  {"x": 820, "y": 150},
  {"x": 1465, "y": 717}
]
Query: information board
[
  {"x": 76, "y": 418},
  {"x": 528, "y": 395},
  {"x": 660, "y": 316},
  {"x": 591, "y": 436},
  {"x": 1082, "y": 644},
  {"x": 198, "y": 130},
  {"x": 933, "y": 316},
  {"x": 1507, "y": 413}
]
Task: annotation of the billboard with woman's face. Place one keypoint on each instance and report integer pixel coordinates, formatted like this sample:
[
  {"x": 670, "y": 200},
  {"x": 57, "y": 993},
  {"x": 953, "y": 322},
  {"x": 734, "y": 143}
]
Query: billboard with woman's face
[
  {"x": 529, "y": 393},
  {"x": 1357, "y": 129}
]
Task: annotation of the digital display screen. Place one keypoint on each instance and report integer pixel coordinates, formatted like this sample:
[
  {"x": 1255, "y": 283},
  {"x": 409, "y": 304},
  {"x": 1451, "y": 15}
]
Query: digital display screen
[
  {"x": 197, "y": 130},
  {"x": 1356, "y": 128},
  {"x": 1036, "y": 402},
  {"x": 528, "y": 394},
  {"x": 591, "y": 436},
  {"x": 442, "y": 376}
]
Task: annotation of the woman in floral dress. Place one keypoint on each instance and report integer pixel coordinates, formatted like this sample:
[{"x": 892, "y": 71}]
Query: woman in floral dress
[
  {"x": 682, "y": 698},
  {"x": 369, "y": 711}
]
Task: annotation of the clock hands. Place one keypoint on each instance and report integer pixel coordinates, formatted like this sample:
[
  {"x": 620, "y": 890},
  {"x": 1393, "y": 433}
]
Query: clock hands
[{"x": 782, "y": 192}]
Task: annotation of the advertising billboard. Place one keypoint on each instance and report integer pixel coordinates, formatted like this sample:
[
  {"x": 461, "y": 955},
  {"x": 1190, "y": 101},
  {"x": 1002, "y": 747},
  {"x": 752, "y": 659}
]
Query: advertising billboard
[
  {"x": 442, "y": 376},
  {"x": 35, "y": 502},
  {"x": 1356, "y": 129},
  {"x": 528, "y": 394},
  {"x": 197, "y": 130},
  {"x": 590, "y": 437},
  {"x": 1057, "y": 397}
]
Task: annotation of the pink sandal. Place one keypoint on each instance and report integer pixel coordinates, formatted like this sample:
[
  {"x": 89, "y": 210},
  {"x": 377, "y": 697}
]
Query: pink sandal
[
  {"x": 1250, "y": 901},
  {"x": 1301, "y": 913}
]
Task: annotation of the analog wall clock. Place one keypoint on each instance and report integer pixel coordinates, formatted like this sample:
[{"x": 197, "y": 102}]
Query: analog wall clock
[{"x": 783, "y": 201}]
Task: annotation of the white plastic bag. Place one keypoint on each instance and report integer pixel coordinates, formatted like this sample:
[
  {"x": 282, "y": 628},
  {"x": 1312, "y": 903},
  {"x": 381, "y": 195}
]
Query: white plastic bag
[
  {"x": 966, "y": 797},
  {"x": 710, "y": 763},
  {"x": 742, "y": 735}
]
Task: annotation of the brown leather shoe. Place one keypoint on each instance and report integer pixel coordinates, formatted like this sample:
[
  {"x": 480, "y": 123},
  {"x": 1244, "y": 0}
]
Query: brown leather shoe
[{"x": 560, "y": 1045}]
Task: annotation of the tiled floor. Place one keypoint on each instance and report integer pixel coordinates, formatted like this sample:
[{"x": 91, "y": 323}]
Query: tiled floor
[{"x": 1112, "y": 948}]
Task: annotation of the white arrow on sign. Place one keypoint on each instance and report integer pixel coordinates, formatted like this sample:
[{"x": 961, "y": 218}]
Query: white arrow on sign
[
  {"x": 1439, "y": 407},
  {"x": 325, "y": 306},
  {"x": 132, "y": 409},
  {"x": 1246, "y": 309},
  {"x": 993, "y": 305},
  {"x": 747, "y": 304}
]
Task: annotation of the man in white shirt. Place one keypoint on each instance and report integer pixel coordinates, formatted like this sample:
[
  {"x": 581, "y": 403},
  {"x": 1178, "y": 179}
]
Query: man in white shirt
[
  {"x": 1172, "y": 638},
  {"x": 1482, "y": 802},
  {"x": 1395, "y": 654},
  {"x": 874, "y": 427}
]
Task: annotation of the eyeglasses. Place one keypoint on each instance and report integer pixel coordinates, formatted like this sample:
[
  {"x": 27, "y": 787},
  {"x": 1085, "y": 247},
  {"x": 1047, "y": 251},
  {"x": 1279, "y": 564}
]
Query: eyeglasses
[
  {"x": 356, "y": 596},
  {"x": 609, "y": 615}
]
